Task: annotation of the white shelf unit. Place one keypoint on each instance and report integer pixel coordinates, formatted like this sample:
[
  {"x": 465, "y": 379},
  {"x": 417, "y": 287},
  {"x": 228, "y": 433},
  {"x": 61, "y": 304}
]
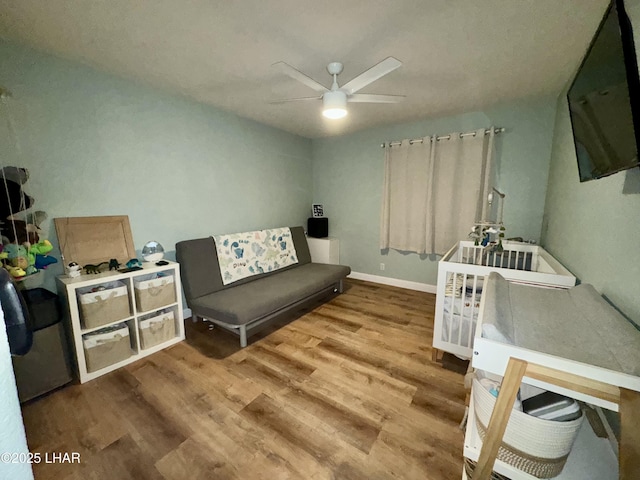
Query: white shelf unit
[
  {"x": 68, "y": 287},
  {"x": 324, "y": 250},
  {"x": 590, "y": 457}
]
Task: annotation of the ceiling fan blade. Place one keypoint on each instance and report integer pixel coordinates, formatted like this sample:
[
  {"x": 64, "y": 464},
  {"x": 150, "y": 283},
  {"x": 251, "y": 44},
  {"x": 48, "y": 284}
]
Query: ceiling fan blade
[
  {"x": 299, "y": 99},
  {"x": 374, "y": 98},
  {"x": 301, "y": 77},
  {"x": 387, "y": 65}
]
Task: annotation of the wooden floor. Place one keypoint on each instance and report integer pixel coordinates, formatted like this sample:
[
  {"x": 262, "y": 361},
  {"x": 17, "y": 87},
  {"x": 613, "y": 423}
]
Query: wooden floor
[{"x": 346, "y": 391}]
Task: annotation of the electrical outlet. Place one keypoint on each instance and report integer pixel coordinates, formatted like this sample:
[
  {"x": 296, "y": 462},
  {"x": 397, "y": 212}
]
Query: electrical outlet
[{"x": 382, "y": 266}]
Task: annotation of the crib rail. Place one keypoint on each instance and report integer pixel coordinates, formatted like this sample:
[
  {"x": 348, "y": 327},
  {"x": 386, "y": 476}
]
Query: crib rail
[
  {"x": 460, "y": 307},
  {"x": 491, "y": 257},
  {"x": 461, "y": 272}
]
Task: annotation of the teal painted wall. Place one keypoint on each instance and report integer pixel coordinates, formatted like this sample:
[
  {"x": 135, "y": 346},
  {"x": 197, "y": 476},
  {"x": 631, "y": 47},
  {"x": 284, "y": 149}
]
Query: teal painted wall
[
  {"x": 348, "y": 175},
  {"x": 593, "y": 227},
  {"x": 99, "y": 145}
]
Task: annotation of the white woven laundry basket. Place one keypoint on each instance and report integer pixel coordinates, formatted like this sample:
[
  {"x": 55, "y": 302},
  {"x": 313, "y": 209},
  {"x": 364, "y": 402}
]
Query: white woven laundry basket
[{"x": 535, "y": 446}]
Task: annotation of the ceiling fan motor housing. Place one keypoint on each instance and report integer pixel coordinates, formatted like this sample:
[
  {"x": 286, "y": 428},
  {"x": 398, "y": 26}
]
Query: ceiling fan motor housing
[{"x": 334, "y": 68}]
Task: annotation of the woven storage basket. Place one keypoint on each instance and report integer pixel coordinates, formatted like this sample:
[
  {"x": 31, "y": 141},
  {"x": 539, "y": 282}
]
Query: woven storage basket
[
  {"x": 157, "y": 329},
  {"x": 470, "y": 466},
  {"x": 535, "y": 446},
  {"x": 154, "y": 293},
  {"x": 105, "y": 347},
  {"x": 98, "y": 308}
]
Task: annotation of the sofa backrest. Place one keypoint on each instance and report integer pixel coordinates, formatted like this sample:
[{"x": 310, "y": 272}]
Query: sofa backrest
[{"x": 200, "y": 270}]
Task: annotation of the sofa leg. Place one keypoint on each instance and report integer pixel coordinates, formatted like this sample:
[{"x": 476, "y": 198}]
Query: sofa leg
[
  {"x": 194, "y": 318},
  {"x": 341, "y": 286},
  {"x": 243, "y": 336}
]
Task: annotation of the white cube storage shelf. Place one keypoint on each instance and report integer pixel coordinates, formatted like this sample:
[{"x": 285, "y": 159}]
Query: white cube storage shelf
[{"x": 146, "y": 303}]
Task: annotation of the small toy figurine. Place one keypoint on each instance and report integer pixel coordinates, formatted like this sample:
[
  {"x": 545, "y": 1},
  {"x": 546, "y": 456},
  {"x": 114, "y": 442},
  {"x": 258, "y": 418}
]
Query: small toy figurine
[
  {"x": 73, "y": 270},
  {"x": 134, "y": 262},
  {"x": 113, "y": 264},
  {"x": 475, "y": 235},
  {"x": 93, "y": 268}
]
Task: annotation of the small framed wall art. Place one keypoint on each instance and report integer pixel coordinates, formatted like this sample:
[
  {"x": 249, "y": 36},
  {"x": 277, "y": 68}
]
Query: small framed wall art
[{"x": 317, "y": 210}]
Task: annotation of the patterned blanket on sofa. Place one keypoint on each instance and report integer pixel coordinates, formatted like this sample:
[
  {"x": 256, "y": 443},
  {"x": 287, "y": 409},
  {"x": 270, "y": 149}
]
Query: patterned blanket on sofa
[{"x": 242, "y": 255}]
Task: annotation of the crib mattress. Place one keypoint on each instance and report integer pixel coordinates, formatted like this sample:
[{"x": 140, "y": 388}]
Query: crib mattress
[{"x": 575, "y": 324}]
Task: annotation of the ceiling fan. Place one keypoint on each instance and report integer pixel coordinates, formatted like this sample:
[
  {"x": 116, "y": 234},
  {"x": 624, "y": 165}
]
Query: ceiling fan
[{"x": 335, "y": 100}]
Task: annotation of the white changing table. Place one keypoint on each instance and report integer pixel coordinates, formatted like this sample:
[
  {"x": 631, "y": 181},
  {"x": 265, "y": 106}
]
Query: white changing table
[
  {"x": 603, "y": 384},
  {"x": 461, "y": 272}
]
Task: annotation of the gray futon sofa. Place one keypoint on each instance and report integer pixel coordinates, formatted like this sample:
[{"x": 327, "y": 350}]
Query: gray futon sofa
[{"x": 246, "y": 304}]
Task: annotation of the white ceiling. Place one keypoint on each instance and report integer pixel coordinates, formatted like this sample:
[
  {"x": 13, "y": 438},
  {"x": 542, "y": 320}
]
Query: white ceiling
[{"x": 458, "y": 55}]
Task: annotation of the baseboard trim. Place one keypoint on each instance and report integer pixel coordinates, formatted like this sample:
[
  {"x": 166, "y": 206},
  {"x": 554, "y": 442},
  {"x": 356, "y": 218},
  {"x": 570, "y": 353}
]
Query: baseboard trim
[{"x": 394, "y": 282}]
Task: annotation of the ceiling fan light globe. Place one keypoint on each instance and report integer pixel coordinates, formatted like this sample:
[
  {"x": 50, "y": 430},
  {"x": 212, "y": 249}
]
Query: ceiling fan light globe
[
  {"x": 334, "y": 113},
  {"x": 335, "y": 104}
]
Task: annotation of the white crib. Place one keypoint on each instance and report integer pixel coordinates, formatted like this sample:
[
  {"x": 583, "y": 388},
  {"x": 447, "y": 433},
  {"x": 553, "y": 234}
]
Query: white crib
[{"x": 460, "y": 279}]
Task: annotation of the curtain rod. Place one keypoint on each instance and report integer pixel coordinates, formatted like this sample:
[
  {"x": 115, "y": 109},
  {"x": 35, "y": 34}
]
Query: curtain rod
[{"x": 444, "y": 137}]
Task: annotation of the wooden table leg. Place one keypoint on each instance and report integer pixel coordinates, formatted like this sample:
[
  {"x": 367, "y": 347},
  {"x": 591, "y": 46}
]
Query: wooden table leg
[
  {"x": 499, "y": 418},
  {"x": 629, "y": 455}
]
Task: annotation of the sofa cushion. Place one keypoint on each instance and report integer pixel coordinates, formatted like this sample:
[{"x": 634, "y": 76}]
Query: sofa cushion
[
  {"x": 199, "y": 268},
  {"x": 302, "y": 247},
  {"x": 267, "y": 294}
]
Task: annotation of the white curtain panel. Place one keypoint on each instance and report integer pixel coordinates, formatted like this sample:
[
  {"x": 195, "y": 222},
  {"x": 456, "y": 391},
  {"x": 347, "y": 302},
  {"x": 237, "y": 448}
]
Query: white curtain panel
[
  {"x": 434, "y": 191},
  {"x": 405, "y": 198}
]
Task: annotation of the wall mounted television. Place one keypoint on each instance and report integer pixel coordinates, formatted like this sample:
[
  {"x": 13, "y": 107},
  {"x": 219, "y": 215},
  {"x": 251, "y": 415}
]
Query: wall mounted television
[{"x": 604, "y": 100}]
